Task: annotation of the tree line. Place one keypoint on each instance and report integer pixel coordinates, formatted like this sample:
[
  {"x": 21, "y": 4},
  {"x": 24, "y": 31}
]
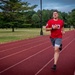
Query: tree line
[{"x": 18, "y": 14}]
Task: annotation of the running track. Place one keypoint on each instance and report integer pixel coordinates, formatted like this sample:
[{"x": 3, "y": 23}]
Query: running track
[{"x": 35, "y": 57}]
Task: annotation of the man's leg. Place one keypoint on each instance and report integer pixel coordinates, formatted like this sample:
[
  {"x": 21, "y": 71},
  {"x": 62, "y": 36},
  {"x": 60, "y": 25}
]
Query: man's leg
[
  {"x": 56, "y": 52},
  {"x": 56, "y": 56}
]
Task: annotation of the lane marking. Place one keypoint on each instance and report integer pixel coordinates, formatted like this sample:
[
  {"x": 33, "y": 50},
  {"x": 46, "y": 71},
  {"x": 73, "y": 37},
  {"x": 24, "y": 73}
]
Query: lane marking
[
  {"x": 20, "y": 41},
  {"x": 26, "y": 50},
  {"x": 21, "y": 46},
  {"x": 21, "y": 51},
  {"x": 74, "y": 72},
  {"x": 53, "y": 58},
  {"x": 26, "y": 59}
]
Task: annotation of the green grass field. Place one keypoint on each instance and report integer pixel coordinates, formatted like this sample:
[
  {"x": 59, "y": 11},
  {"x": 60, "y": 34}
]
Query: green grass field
[{"x": 6, "y": 35}]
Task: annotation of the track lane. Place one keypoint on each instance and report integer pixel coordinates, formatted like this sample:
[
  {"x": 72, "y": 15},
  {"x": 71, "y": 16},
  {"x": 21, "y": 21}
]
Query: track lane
[
  {"x": 20, "y": 43},
  {"x": 66, "y": 63},
  {"x": 15, "y": 44},
  {"x": 71, "y": 38},
  {"x": 12, "y": 70},
  {"x": 23, "y": 48}
]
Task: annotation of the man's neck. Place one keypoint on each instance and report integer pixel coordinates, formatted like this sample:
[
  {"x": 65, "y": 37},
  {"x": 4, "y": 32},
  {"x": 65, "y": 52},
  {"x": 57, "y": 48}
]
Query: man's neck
[{"x": 55, "y": 19}]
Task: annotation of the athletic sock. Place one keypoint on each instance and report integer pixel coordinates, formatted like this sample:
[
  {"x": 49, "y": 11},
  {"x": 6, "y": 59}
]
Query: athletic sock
[
  {"x": 54, "y": 67},
  {"x": 60, "y": 48}
]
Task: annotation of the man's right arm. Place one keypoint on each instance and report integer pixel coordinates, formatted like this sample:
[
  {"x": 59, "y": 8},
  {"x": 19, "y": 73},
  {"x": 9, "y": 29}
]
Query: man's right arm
[
  {"x": 49, "y": 29},
  {"x": 48, "y": 26}
]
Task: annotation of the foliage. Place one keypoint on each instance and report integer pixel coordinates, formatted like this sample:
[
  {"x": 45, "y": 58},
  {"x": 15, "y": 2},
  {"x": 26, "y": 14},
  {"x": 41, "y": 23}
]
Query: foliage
[
  {"x": 11, "y": 10},
  {"x": 18, "y": 14}
]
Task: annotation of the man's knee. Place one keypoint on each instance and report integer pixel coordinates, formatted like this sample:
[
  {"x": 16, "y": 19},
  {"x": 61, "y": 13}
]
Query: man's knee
[{"x": 56, "y": 49}]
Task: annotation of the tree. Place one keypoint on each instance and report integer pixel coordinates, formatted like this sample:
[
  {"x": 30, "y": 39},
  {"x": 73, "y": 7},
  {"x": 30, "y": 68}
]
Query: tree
[
  {"x": 35, "y": 20},
  {"x": 46, "y": 15},
  {"x": 71, "y": 18},
  {"x": 1, "y": 20},
  {"x": 29, "y": 15},
  {"x": 10, "y": 9},
  {"x": 65, "y": 18}
]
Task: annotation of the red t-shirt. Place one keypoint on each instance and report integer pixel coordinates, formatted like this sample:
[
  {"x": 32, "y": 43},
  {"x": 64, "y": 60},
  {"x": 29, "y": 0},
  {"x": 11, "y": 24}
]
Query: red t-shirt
[{"x": 56, "y": 33}]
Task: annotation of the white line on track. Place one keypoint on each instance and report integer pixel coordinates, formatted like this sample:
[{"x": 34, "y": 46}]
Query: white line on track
[
  {"x": 53, "y": 58},
  {"x": 24, "y": 60},
  {"x": 27, "y": 59},
  {"x": 74, "y": 72},
  {"x": 25, "y": 50},
  {"x": 19, "y": 41},
  {"x": 21, "y": 51},
  {"x": 18, "y": 47},
  {"x": 21, "y": 46}
]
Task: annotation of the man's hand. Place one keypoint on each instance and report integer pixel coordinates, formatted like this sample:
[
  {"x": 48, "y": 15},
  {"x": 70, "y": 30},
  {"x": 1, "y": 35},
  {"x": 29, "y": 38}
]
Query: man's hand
[
  {"x": 63, "y": 32},
  {"x": 55, "y": 27}
]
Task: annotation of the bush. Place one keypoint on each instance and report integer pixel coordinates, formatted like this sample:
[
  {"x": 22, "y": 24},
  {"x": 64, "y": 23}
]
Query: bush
[{"x": 25, "y": 26}]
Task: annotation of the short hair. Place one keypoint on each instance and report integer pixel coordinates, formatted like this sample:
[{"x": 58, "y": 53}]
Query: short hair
[{"x": 55, "y": 11}]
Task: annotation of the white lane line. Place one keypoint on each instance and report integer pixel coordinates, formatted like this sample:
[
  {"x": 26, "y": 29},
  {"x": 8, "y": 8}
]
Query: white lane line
[
  {"x": 53, "y": 58},
  {"x": 24, "y": 60},
  {"x": 21, "y": 46},
  {"x": 22, "y": 51},
  {"x": 19, "y": 42},
  {"x": 25, "y": 50}
]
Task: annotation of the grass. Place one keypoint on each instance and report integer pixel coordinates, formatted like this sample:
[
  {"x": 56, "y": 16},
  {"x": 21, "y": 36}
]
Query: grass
[{"x": 6, "y": 35}]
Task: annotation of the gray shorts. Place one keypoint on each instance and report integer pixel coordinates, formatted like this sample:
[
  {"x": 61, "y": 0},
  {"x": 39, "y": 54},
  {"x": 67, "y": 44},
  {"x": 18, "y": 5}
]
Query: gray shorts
[{"x": 56, "y": 41}]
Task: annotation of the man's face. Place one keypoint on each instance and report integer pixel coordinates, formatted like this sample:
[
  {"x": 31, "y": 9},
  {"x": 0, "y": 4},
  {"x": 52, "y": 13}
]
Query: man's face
[{"x": 55, "y": 15}]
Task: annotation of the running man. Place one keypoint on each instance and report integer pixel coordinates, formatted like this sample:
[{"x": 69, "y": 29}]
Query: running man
[{"x": 56, "y": 26}]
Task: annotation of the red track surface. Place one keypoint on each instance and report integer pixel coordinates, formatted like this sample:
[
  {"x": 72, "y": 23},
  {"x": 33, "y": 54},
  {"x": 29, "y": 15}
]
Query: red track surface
[{"x": 35, "y": 57}]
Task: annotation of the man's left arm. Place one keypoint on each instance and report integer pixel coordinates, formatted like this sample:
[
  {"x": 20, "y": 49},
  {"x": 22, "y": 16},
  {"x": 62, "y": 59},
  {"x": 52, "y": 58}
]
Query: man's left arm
[{"x": 63, "y": 30}]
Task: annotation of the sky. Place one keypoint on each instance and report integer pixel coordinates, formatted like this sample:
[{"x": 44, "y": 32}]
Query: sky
[{"x": 61, "y": 5}]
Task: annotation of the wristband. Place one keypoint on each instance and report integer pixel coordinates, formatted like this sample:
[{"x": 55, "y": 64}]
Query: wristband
[{"x": 52, "y": 28}]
